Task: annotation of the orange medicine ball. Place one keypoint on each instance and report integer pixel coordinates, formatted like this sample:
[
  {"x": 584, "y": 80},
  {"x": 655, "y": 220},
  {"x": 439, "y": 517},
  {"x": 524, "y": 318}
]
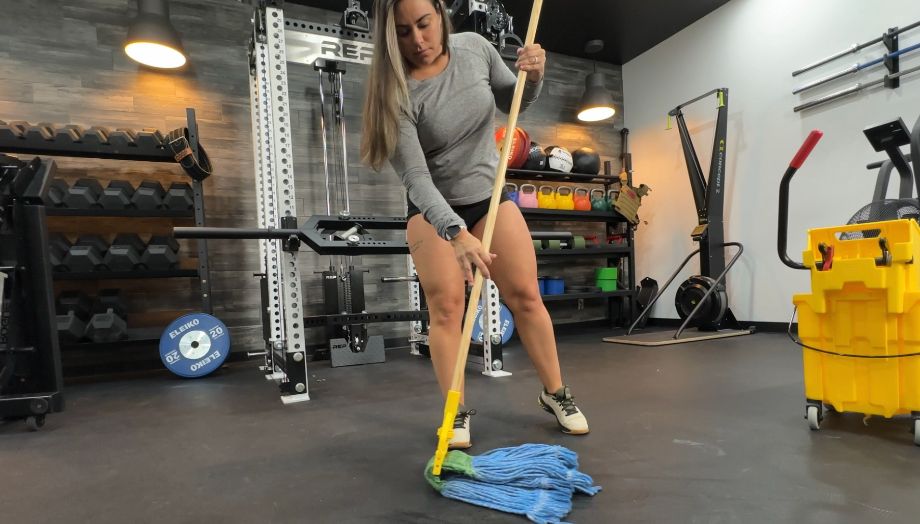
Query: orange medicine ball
[{"x": 520, "y": 146}]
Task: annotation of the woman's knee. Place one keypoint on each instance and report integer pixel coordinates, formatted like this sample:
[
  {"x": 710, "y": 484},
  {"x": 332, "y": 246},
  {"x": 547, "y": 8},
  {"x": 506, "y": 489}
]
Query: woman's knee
[
  {"x": 521, "y": 299},
  {"x": 445, "y": 308}
]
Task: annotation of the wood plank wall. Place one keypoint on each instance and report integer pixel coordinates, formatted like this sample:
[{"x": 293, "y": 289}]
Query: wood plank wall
[{"x": 61, "y": 61}]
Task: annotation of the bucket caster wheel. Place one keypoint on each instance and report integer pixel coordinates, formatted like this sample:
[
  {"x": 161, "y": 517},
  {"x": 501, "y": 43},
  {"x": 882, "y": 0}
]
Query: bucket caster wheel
[
  {"x": 814, "y": 416},
  {"x": 35, "y": 422},
  {"x": 916, "y": 428}
]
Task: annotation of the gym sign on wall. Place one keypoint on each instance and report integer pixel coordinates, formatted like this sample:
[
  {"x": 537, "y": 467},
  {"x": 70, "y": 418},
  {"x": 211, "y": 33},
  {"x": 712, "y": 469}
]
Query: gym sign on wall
[{"x": 307, "y": 41}]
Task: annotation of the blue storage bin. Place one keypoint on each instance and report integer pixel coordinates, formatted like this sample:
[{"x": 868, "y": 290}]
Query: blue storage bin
[{"x": 554, "y": 286}]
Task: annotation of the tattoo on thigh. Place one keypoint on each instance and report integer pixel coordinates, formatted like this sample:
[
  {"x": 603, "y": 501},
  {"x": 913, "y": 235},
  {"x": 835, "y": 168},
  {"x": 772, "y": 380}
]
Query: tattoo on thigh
[{"x": 414, "y": 247}]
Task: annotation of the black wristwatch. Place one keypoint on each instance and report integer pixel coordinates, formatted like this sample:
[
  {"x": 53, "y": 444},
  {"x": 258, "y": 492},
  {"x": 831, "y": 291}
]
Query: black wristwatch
[{"x": 452, "y": 231}]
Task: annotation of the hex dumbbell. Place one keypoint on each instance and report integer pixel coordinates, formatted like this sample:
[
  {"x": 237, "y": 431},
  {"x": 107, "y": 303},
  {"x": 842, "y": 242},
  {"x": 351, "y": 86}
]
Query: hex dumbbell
[
  {"x": 162, "y": 253},
  {"x": 179, "y": 197},
  {"x": 109, "y": 322},
  {"x": 57, "y": 192},
  {"x": 125, "y": 253},
  {"x": 149, "y": 195},
  {"x": 83, "y": 194},
  {"x": 88, "y": 254},
  {"x": 73, "y": 310},
  {"x": 117, "y": 195},
  {"x": 58, "y": 247}
]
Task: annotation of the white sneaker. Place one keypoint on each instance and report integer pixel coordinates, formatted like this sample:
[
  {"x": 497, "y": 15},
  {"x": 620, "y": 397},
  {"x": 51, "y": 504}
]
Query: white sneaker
[
  {"x": 461, "y": 438},
  {"x": 562, "y": 405}
]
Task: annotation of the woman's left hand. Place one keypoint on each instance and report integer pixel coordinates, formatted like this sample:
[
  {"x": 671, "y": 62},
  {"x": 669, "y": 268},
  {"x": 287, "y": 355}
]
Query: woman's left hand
[{"x": 532, "y": 59}]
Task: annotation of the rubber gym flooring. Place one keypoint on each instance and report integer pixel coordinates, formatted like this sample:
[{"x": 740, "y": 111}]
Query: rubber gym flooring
[{"x": 705, "y": 432}]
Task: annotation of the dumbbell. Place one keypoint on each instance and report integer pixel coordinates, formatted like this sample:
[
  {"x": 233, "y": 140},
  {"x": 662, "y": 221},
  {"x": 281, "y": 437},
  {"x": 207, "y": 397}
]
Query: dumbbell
[
  {"x": 125, "y": 253},
  {"x": 122, "y": 139},
  {"x": 96, "y": 136},
  {"x": 10, "y": 131},
  {"x": 109, "y": 322},
  {"x": 179, "y": 197},
  {"x": 148, "y": 139},
  {"x": 83, "y": 194},
  {"x": 57, "y": 192},
  {"x": 68, "y": 134},
  {"x": 117, "y": 195},
  {"x": 58, "y": 247},
  {"x": 88, "y": 254},
  {"x": 149, "y": 195},
  {"x": 162, "y": 253},
  {"x": 73, "y": 309}
]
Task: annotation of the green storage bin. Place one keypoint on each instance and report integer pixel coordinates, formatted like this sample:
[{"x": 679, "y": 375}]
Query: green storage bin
[{"x": 606, "y": 278}]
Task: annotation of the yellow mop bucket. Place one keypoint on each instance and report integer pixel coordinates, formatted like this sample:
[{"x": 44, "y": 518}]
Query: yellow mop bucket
[
  {"x": 859, "y": 328},
  {"x": 863, "y": 306}
]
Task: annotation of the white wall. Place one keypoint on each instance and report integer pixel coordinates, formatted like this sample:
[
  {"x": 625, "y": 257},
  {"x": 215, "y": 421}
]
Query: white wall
[{"x": 752, "y": 47}]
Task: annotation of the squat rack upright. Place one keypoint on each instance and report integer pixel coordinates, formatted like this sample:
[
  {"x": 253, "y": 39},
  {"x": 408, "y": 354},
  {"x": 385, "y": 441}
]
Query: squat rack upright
[{"x": 275, "y": 42}]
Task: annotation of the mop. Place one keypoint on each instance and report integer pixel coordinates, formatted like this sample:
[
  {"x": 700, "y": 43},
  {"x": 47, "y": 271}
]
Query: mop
[{"x": 534, "y": 480}]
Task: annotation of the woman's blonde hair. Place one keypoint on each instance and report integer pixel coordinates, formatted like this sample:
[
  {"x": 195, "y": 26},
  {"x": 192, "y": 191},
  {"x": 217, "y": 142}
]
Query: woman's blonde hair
[{"x": 387, "y": 91}]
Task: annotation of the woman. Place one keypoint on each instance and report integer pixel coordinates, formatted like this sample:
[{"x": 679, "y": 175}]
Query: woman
[{"x": 430, "y": 111}]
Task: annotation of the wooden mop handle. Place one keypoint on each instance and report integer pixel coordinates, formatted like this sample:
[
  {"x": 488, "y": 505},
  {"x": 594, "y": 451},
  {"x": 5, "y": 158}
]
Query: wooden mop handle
[{"x": 453, "y": 396}]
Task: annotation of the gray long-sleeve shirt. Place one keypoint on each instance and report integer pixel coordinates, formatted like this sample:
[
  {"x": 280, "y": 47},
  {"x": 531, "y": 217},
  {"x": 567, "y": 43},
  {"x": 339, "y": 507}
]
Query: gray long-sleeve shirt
[{"x": 446, "y": 153}]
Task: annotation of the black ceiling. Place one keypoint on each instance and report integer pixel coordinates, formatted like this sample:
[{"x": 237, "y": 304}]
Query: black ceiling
[{"x": 627, "y": 27}]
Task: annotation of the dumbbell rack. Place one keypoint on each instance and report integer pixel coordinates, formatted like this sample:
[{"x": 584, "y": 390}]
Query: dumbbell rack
[
  {"x": 627, "y": 296},
  {"x": 145, "y": 146}
]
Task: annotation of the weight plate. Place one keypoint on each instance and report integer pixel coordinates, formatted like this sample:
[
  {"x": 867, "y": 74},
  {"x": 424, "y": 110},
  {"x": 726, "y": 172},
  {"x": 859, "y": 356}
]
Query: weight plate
[
  {"x": 506, "y": 323},
  {"x": 194, "y": 345}
]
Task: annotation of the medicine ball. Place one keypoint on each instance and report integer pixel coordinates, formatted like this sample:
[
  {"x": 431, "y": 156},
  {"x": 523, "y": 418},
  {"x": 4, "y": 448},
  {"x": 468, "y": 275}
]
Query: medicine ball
[
  {"x": 586, "y": 160},
  {"x": 558, "y": 159},
  {"x": 520, "y": 144},
  {"x": 536, "y": 159}
]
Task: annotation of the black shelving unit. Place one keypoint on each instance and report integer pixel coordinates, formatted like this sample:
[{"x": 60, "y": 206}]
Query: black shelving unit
[
  {"x": 142, "y": 146},
  {"x": 122, "y": 275},
  {"x": 571, "y": 216},
  {"x": 124, "y": 213},
  {"x": 590, "y": 294},
  {"x": 553, "y": 176},
  {"x": 134, "y": 336},
  {"x": 602, "y": 251},
  {"x": 612, "y": 253}
]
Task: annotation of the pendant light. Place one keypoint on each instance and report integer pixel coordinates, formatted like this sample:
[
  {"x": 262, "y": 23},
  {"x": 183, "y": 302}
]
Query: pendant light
[
  {"x": 152, "y": 40},
  {"x": 596, "y": 102}
]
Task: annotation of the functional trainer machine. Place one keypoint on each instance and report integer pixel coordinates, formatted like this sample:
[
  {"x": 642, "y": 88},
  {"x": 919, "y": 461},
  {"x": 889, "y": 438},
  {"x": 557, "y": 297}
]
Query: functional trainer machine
[
  {"x": 701, "y": 300},
  {"x": 339, "y": 233},
  {"x": 30, "y": 359}
]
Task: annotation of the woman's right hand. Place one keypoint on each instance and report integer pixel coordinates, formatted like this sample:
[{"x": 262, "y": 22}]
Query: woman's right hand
[{"x": 469, "y": 252}]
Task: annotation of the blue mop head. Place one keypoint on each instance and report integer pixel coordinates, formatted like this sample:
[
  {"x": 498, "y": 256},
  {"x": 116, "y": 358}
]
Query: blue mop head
[{"x": 534, "y": 480}]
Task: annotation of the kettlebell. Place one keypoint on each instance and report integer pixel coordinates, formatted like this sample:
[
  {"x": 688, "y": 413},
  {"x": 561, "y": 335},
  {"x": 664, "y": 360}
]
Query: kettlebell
[
  {"x": 564, "y": 198},
  {"x": 581, "y": 199},
  {"x": 598, "y": 202},
  {"x": 527, "y": 198},
  {"x": 512, "y": 190},
  {"x": 546, "y": 199},
  {"x": 612, "y": 195}
]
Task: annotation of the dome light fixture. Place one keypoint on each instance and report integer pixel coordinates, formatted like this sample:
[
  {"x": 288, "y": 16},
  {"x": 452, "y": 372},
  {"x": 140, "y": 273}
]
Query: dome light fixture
[
  {"x": 596, "y": 102},
  {"x": 152, "y": 40}
]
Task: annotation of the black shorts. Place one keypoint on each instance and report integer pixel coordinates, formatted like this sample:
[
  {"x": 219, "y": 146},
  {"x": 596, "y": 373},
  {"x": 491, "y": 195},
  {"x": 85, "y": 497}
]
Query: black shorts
[{"x": 470, "y": 213}]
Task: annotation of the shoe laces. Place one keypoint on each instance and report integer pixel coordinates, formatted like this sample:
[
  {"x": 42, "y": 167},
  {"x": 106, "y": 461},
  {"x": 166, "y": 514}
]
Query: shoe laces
[
  {"x": 462, "y": 417},
  {"x": 566, "y": 401}
]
